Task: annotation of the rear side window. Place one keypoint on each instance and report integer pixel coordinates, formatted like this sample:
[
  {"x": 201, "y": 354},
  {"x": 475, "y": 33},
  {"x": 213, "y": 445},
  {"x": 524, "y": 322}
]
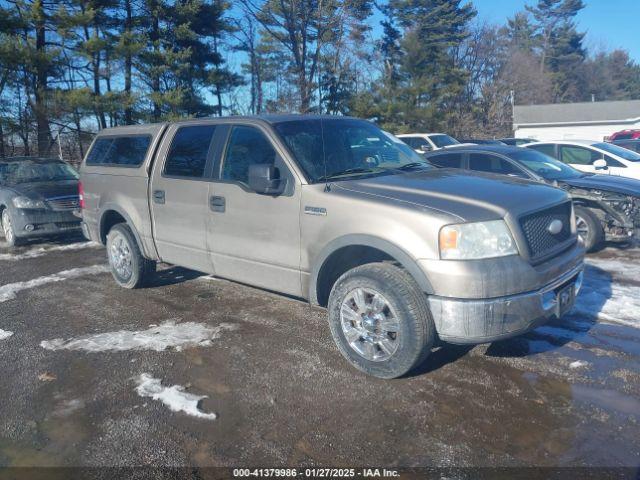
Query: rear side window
[
  {"x": 546, "y": 149},
  {"x": 490, "y": 163},
  {"x": 128, "y": 151},
  {"x": 448, "y": 160},
  {"x": 189, "y": 151}
]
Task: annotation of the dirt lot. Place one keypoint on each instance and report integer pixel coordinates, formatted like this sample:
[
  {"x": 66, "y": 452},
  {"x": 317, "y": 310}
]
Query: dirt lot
[{"x": 566, "y": 394}]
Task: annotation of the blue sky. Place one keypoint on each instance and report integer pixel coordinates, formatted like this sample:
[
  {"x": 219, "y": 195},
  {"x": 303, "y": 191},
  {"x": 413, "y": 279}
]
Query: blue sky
[{"x": 609, "y": 24}]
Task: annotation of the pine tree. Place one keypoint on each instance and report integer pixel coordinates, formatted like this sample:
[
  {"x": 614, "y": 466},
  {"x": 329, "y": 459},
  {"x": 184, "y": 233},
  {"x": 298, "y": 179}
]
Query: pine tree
[{"x": 430, "y": 79}]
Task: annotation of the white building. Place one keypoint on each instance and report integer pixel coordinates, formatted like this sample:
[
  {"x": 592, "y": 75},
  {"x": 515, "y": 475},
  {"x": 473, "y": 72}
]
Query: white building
[{"x": 566, "y": 121}]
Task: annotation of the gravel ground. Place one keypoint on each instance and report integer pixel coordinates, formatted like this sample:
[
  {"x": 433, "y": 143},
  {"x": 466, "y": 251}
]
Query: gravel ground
[{"x": 566, "y": 394}]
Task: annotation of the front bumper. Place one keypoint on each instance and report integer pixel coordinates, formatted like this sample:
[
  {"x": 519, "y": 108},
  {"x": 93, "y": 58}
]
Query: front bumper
[
  {"x": 481, "y": 321},
  {"x": 36, "y": 223}
]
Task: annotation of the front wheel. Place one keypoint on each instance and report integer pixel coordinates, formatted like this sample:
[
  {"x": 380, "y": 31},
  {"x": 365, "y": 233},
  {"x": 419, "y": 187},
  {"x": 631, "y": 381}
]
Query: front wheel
[
  {"x": 7, "y": 229},
  {"x": 589, "y": 228},
  {"x": 380, "y": 320},
  {"x": 128, "y": 267}
]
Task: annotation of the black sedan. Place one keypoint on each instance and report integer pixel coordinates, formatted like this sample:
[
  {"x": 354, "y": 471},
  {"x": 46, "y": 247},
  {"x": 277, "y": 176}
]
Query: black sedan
[
  {"x": 607, "y": 207},
  {"x": 38, "y": 197}
]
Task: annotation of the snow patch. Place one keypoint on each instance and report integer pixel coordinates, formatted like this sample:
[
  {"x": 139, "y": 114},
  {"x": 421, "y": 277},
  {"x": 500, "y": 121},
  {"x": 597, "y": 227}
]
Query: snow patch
[
  {"x": 158, "y": 338},
  {"x": 619, "y": 269},
  {"x": 4, "y": 334},
  {"x": 173, "y": 397},
  {"x": 39, "y": 252},
  {"x": 578, "y": 364},
  {"x": 607, "y": 300},
  {"x": 9, "y": 291}
]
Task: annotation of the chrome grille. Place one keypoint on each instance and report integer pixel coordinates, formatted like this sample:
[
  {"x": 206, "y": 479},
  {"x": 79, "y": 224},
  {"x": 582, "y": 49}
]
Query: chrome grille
[
  {"x": 70, "y": 202},
  {"x": 535, "y": 227}
]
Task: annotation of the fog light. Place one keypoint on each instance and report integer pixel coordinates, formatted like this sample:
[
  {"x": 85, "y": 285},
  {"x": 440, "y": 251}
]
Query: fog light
[{"x": 29, "y": 228}]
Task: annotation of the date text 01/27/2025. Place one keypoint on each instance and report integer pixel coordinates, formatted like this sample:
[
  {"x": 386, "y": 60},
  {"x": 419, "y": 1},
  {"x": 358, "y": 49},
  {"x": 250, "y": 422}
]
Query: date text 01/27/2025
[{"x": 315, "y": 473}]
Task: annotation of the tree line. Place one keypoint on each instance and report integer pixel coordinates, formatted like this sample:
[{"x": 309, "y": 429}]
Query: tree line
[{"x": 71, "y": 67}]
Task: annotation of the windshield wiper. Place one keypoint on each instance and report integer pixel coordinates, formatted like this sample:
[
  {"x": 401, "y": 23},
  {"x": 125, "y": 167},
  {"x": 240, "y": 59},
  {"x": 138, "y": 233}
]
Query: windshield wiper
[
  {"x": 412, "y": 165},
  {"x": 348, "y": 171}
]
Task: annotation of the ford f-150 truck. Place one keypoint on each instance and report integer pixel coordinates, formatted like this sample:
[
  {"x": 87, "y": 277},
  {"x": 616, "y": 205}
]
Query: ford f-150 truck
[{"x": 338, "y": 212}]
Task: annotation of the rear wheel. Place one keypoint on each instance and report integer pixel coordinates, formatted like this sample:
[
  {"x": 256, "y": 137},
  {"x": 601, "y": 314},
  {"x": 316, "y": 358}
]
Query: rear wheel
[
  {"x": 7, "y": 229},
  {"x": 589, "y": 229},
  {"x": 128, "y": 267},
  {"x": 380, "y": 320}
]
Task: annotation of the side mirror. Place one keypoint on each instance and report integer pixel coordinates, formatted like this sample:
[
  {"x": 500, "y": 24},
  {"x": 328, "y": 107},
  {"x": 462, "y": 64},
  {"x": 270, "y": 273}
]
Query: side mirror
[
  {"x": 425, "y": 147},
  {"x": 265, "y": 179},
  {"x": 600, "y": 164}
]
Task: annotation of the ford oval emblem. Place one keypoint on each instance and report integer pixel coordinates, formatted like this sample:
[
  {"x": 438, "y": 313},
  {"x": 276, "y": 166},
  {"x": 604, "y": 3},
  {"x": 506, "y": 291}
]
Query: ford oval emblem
[{"x": 555, "y": 227}]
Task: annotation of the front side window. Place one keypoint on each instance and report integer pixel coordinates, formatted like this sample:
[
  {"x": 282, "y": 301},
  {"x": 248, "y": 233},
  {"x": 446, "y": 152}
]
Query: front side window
[
  {"x": 343, "y": 148},
  {"x": 127, "y": 151},
  {"x": 578, "y": 155},
  {"x": 448, "y": 160},
  {"x": 483, "y": 162},
  {"x": 247, "y": 146},
  {"x": 189, "y": 151}
]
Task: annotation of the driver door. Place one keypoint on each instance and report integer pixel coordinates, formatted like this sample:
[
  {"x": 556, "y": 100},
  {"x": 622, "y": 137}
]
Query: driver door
[{"x": 254, "y": 238}]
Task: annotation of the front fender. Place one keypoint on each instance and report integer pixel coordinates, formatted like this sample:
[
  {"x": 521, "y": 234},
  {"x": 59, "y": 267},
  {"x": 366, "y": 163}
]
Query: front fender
[{"x": 402, "y": 257}]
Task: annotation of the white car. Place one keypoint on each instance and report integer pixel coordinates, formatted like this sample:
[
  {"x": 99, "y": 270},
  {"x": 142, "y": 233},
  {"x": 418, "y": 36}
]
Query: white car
[
  {"x": 592, "y": 156},
  {"x": 427, "y": 142}
]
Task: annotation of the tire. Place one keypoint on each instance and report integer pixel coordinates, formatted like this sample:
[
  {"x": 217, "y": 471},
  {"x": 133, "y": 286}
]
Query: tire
[
  {"x": 128, "y": 267},
  {"x": 589, "y": 229},
  {"x": 375, "y": 348},
  {"x": 8, "y": 231}
]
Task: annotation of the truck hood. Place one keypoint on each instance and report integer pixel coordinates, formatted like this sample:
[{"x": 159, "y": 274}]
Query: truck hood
[
  {"x": 470, "y": 197},
  {"x": 44, "y": 190},
  {"x": 609, "y": 183}
]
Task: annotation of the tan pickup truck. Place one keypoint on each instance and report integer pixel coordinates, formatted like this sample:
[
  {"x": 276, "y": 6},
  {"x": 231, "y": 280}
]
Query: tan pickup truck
[{"x": 338, "y": 212}]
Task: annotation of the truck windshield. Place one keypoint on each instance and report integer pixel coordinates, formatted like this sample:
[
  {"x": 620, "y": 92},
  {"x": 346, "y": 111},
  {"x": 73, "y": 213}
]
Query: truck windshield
[
  {"x": 545, "y": 166},
  {"x": 29, "y": 172},
  {"x": 345, "y": 148}
]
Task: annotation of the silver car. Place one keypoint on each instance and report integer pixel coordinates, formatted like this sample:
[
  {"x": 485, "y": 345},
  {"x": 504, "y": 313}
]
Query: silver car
[{"x": 338, "y": 212}]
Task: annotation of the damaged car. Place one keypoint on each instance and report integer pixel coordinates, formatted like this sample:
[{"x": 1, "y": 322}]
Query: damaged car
[{"x": 607, "y": 207}]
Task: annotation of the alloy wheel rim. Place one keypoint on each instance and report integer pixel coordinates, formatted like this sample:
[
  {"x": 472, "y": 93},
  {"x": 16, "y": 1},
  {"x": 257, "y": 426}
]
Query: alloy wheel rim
[
  {"x": 582, "y": 228},
  {"x": 121, "y": 257},
  {"x": 370, "y": 324}
]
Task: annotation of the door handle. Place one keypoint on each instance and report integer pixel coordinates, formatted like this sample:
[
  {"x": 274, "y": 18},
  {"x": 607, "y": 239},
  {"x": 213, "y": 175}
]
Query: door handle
[
  {"x": 217, "y": 204},
  {"x": 158, "y": 196}
]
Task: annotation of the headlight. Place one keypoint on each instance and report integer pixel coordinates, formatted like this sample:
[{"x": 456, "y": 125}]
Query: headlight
[
  {"x": 469, "y": 241},
  {"x": 26, "y": 202}
]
